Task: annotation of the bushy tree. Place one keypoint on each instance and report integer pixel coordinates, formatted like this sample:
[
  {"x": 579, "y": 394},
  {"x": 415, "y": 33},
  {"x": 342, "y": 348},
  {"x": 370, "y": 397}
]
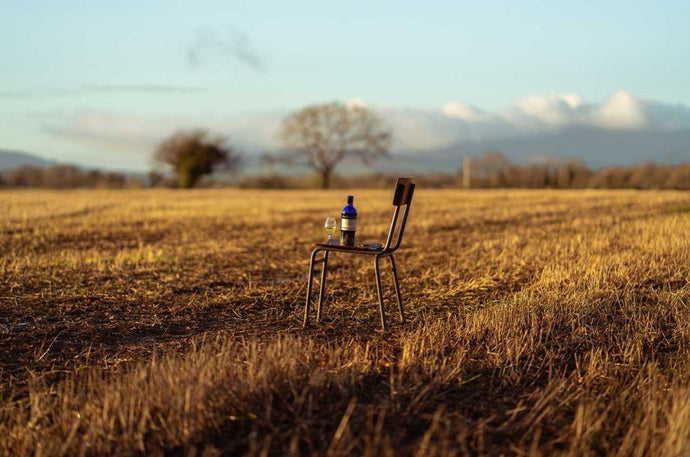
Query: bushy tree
[
  {"x": 196, "y": 153},
  {"x": 323, "y": 135}
]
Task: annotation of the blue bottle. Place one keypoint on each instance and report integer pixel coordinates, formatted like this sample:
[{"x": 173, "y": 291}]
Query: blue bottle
[{"x": 348, "y": 223}]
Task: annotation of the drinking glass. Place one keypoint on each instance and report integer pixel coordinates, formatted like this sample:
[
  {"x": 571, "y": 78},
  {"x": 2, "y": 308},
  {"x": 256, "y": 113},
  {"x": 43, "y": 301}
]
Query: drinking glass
[{"x": 330, "y": 227}]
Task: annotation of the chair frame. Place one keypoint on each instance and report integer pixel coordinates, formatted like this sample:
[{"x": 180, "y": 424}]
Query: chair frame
[{"x": 402, "y": 198}]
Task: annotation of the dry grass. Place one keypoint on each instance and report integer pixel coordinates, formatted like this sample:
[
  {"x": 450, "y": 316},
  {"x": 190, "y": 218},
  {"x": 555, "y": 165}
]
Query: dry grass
[{"x": 148, "y": 323}]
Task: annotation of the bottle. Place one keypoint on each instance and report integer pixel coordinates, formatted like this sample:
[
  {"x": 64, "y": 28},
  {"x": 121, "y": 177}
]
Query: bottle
[{"x": 348, "y": 223}]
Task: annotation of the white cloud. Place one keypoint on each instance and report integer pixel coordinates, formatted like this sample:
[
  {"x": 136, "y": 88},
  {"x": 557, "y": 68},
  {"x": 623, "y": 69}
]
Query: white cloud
[
  {"x": 461, "y": 110},
  {"x": 355, "y": 102},
  {"x": 573, "y": 100},
  {"x": 621, "y": 111},
  {"x": 538, "y": 112},
  {"x": 418, "y": 129},
  {"x": 552, "y": 110}
]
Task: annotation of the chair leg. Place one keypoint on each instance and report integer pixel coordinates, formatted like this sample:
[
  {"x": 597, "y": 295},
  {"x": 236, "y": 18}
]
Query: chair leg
[
  {"x": 397, "y": 289},
  {"x": 378, "y": 290},
  {"x": 309, "y": 284},
  {"x": 322, "y": 286}
]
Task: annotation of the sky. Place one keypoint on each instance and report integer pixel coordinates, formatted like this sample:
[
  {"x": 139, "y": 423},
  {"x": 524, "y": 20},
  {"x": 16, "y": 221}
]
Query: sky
[{"x": 100, "y": 83}]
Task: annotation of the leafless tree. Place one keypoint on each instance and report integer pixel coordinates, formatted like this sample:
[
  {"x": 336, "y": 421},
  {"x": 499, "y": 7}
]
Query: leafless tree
[{"x": 326, "y": 134}]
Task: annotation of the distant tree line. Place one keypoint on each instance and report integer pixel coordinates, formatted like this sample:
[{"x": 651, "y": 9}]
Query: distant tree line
[
  {"x": 493, "y": 170},
  {"x": 488, "y": 171},
  {"x": 65, "y": 177}
]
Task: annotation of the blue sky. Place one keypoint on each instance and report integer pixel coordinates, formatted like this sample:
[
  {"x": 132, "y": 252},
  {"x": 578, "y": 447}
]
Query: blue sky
[{"x": 69, "y": 69}]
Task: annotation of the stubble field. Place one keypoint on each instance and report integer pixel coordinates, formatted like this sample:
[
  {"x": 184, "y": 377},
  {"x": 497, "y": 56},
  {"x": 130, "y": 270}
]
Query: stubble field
[{"x": 169, "y": 323}]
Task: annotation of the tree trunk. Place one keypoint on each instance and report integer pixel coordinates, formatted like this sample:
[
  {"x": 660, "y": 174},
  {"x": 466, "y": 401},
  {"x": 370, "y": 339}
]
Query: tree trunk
[
  {"x": 186, "y": 179},
  {"x": 325, "y": 179}
]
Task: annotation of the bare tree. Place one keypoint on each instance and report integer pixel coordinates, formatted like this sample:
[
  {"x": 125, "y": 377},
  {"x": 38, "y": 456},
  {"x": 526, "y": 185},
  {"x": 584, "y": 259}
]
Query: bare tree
[
  {"x": 323, "y": 135},
  {"x": 193, "y": 154}
]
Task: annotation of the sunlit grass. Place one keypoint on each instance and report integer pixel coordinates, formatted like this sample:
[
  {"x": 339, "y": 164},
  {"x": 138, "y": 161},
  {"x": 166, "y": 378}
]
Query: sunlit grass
[{"x": 169, "y": 322}]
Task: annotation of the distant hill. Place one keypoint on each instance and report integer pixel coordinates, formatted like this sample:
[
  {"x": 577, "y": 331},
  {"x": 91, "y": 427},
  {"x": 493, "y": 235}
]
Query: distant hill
[
  {"x": 595, "y": 147},
  {"x": 13, "y": 159}
]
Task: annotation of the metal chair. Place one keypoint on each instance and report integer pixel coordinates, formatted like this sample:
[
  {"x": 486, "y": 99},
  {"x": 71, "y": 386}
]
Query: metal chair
[{"x": 402, "y": 198}]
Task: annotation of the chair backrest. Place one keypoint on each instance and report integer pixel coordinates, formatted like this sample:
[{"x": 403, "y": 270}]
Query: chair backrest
[{"x": 404, "y": 190}]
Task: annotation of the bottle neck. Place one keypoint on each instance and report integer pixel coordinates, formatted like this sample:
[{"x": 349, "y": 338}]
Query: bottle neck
[{"x": 350, "y": 199}]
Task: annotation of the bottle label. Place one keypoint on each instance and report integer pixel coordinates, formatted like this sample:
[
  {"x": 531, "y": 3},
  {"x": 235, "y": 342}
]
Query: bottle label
[{"x": 348, "y": 224}]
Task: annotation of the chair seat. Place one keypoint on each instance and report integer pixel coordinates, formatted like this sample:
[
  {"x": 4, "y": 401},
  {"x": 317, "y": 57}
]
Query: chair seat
[{"x": 365, "y": 248}]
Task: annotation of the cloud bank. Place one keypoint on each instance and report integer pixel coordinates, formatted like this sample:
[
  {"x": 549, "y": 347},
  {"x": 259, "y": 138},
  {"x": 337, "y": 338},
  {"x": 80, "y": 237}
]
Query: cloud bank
[
  {"x": 413, "y": 129},
  {"x": 620, "y": 111},
  {"x": 113, "y": 132},
  {"x": 459, "y": 122}
]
